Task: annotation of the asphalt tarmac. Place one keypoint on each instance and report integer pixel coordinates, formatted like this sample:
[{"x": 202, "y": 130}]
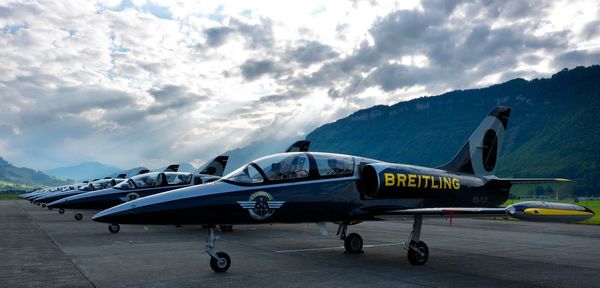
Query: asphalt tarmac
[{"x": 41, "y": 248}]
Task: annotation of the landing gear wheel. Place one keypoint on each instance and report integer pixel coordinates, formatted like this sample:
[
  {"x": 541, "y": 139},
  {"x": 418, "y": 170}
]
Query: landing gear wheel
[
  {"x": 353, "y": 243},
  {"x": 114, "y": 228},
  {"x": 50, "y": 208},
  {"x": 418, "y": 252},
  {"x": 226, "y": 228},
  {"x": 78, "y": 216},
  {"x": 220, "y": 264},
  {"x": 44, "y": 205},
  {"x": 61, "y": 211},
  {"x": 38, "y": 204}
]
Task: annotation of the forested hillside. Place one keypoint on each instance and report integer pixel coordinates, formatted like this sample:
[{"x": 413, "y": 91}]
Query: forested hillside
[{"x": 554, "y": 128}]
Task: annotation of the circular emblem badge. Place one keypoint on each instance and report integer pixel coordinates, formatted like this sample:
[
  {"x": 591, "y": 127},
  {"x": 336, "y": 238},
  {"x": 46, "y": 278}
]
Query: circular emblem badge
[
  {"x": 131, "y": 196},
  {"x": 261, "y": 209},
  {"x": 261, "y": 205}
]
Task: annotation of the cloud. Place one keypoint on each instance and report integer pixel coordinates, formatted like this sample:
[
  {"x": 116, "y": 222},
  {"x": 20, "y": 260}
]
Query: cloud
[
  {"x": 216, "y": 36},
  {"x": 253, "y": 69},
  {"x": 147, "y": 83},
  {"x": 311, "y": 52}
]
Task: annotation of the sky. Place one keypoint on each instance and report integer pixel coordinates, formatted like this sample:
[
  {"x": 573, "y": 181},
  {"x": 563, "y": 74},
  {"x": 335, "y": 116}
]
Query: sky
[{"x": 132, "y": 83}]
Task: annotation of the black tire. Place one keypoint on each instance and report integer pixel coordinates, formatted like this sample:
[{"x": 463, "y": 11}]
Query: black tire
[
  {"x": 353, "y": 243},
  {"x": 416, "y": 258},
  {"x": 114, "y": 228},
  {"x": 222, "y": 264},
  {"x": 78, "y": 216},
  {"x": 43, "y": 205},
  {"x": 50, "y": 208},
  {"x": 226, "y": 228},
  {"x": 61, "y": 211}
]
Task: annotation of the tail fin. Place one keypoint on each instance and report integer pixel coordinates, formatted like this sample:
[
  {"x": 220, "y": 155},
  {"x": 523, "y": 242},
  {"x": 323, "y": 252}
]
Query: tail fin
[
  {"x": 478, "y": 156},
  {"x": 215, "y": 167},
  {"x": 299, "y": 146},
  {"x": 172, "y": 168}
]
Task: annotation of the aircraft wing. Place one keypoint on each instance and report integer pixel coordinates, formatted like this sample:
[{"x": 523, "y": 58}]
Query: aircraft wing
[
  {"x": 449, "y": 211},
  {"x": 528, "y": 211},
  {"x": 526, "y": 181}
]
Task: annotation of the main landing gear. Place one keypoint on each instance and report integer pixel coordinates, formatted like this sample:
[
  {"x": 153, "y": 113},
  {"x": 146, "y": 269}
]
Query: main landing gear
[
  {"x": 353, "y": 243},
  {"x": 219, "y": 261},
  {"x": 418, "y": 252},
  {"x": 78, "y": 216},
  {"x": 114, "y": 228},
  {"x": 61, "y": 211}
]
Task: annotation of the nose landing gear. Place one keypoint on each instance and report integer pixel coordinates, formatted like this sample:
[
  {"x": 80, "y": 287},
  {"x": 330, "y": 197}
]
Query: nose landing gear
[
  {"x": 114, "y": 228},
  {"x": 219, "y": 261}
]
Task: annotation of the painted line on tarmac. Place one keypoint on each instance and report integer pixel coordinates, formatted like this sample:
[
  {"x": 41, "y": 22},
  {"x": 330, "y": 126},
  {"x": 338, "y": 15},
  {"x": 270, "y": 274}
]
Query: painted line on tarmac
[{"x": 336, "y": 248}]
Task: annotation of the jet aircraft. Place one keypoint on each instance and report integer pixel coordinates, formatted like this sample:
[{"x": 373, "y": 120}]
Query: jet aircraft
[
  {"x": 325, "y": 187},
  {"x": 95, "y": 185},
  {"x": 139, "y": 186}
]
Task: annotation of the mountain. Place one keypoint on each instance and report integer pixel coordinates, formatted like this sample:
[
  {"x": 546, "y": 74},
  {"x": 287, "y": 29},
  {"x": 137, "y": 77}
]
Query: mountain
[
  {"x": 553, "y": 130},
  {"x": 10, "y": 175},
  {"x": 83, "y": 171}
]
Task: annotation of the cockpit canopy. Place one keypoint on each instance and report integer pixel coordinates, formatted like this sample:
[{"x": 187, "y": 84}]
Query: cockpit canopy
[
  {"x": 100, "y": 184},
  {"x": 156, "y": 179},
  {"x": 293, "y": 167}
]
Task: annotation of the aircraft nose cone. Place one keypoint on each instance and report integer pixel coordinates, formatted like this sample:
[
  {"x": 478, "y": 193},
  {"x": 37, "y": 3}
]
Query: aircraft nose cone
[
  {"x": 57, "y": 204},
  {"x": 118, "y": 214}
]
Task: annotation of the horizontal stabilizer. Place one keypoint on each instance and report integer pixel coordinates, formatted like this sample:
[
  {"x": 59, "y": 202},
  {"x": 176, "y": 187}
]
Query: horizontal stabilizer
[{"x": 528, "y": 181}]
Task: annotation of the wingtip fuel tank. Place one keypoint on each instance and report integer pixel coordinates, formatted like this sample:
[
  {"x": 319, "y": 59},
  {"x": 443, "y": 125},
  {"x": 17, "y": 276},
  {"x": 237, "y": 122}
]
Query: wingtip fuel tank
[{"x": 549, "y": 212}]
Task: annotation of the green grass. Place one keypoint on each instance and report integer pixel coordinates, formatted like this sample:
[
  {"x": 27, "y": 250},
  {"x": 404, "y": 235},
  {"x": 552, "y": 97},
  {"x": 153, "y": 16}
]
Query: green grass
[
  {"x": 6, "y": 196},
  {"x": 593, "y": 205}
]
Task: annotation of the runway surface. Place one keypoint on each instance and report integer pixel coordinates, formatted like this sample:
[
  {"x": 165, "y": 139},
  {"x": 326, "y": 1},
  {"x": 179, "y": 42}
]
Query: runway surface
[{"x": 41, "y": 248}]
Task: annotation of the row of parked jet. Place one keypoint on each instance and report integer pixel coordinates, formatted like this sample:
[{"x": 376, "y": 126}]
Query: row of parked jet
[
  {"x": 312, "y": 187},
  {"x": 100, "y": 194}
]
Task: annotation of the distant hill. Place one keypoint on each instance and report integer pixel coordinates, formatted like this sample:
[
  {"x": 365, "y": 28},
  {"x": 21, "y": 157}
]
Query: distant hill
[
  {"x": 11, "y": 175},
  {"x": 554, "y": 128},
  {"x": 83, "y": 171}
]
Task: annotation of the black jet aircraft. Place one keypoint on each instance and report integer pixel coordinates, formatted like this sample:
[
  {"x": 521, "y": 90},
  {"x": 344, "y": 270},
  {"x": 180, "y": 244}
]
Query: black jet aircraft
[
  {"x": 326, "y": 187},
  {"x": 138, "y": 187},
  {"x": 94, "y": 185}
]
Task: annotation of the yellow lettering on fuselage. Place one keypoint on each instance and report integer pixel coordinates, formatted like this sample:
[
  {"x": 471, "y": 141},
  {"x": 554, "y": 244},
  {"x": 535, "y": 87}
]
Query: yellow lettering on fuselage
[
  {"x": 420, "y": 181},
  {"x": 389, "y": 179}
]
